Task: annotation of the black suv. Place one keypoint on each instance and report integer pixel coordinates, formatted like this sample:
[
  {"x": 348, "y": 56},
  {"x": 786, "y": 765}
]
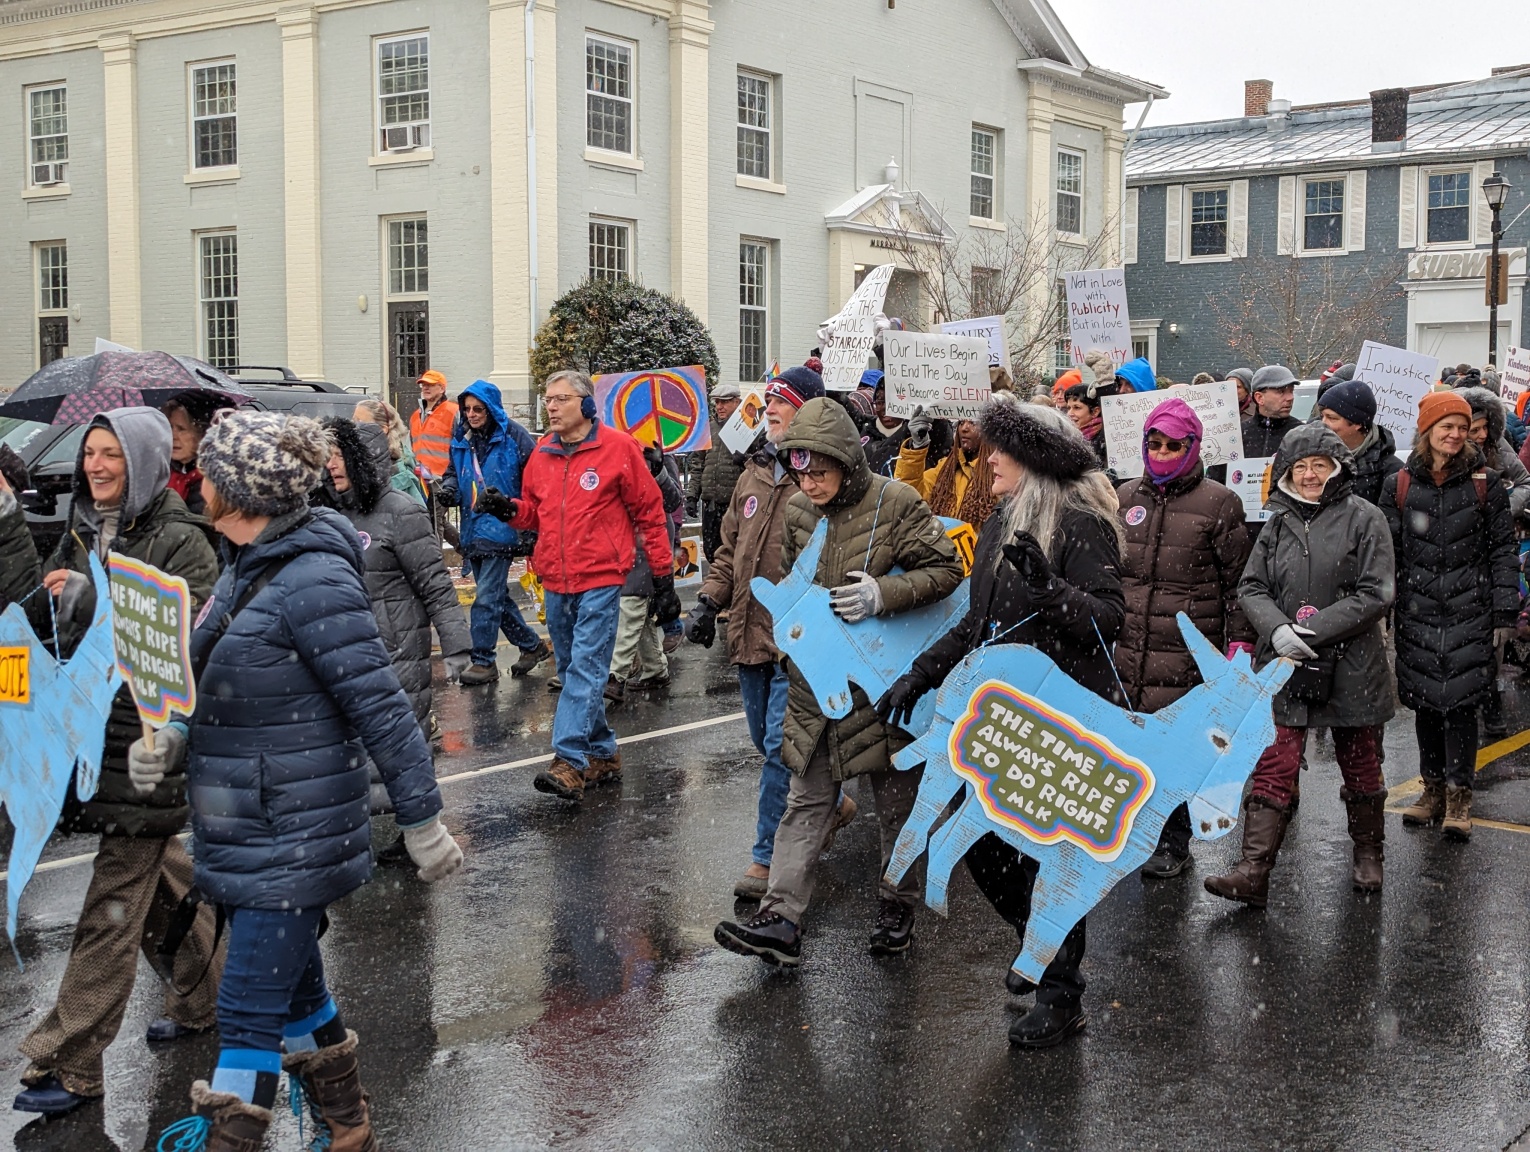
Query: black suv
[{"x": 51, "y": 450}]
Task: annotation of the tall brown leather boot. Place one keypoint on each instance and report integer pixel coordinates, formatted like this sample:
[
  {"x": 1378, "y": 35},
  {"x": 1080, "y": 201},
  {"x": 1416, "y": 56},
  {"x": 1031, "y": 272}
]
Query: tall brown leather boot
[
  {"x": 330, "y": 1079},
  {"x": 1248, "y": 881},
  {"x": 1429, "y": 806},
  {"x": 1458, "y": 814},
  {"x": 220, "y": 1121},
  {"x": 1367, "y": 830}
]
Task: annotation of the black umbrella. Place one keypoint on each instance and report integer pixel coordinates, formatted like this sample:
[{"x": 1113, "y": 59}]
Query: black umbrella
[{"x": 76, "y": 389}]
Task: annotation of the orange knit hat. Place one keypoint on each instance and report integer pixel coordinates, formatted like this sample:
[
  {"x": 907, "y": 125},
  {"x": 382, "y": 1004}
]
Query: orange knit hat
[{"x": 1435, "y": 406}]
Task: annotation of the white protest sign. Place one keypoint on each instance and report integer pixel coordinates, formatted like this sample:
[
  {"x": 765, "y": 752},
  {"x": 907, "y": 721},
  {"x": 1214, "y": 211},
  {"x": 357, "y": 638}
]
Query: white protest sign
[
  {"x": 1515, "y": 377},
  {"x": 1216, "y": 405},
  {"x": 1250, "y": 479},
  {"x": 945, "y": 375},
  {"x": 1398, "y": 379},
  {"x": 853, "y": 332},
  {"x": 740, "y": 429},
  {"x": 991, "y": 329},
  {"x": 1097, "y": 315}
]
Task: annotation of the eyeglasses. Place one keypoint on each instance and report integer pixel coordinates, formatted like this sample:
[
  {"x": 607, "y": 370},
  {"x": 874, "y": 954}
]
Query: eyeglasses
[
  {"x": 816, "y": 475},
  {"x": 1172, "y": 447},
  {"x": 562, "y": 398}
]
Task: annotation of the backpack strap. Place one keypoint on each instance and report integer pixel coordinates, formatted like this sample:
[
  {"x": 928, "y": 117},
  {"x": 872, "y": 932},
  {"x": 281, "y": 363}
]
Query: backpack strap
[
  {"x": 1403, "y": 480},
  {"x": 1480, "y": 483}
]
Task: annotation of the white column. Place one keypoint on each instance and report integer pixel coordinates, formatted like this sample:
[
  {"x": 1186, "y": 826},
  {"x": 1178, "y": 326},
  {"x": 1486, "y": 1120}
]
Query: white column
[
  {"x": 300, "y": 127},
  {"x": 119, "y": 56},
  {"x": 690, "y": 34}
]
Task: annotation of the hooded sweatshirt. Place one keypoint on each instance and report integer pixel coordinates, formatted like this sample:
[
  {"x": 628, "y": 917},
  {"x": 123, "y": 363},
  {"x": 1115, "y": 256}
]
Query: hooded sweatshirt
[
  {"x": 1178, "y": 421},
  {"x": 144, "y": 434}
]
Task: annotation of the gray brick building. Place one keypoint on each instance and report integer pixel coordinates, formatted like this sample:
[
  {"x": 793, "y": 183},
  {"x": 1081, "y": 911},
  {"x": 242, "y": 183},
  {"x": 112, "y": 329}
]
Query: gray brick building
[{"x": 1286, "y": 223}]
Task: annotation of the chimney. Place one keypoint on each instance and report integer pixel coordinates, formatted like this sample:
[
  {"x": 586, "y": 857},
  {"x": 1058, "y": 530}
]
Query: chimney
[
  {"x": 1389, "y": 119},
  {"x": 1256, "y": 96}
]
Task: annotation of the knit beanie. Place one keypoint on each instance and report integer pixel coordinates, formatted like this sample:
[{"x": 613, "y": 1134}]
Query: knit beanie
[
  {"x": 1435, "y": 406},
  {"x": 1351, "y": 399},
  {"x": 264, "y": 463},
  {"x": 796, "y": 386}
]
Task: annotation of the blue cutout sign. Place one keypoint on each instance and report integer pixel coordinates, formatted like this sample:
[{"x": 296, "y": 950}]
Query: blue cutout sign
[
  {"x": 58, "y": 734},
  {"x": 1079, "y": 785},
  {"x": 831, "y": 654}
]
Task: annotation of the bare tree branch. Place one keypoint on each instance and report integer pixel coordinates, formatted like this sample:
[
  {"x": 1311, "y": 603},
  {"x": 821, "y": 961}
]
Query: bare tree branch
[
  {"x": 1304, "y": 314},
  {"x": 1014, "y": 272}
]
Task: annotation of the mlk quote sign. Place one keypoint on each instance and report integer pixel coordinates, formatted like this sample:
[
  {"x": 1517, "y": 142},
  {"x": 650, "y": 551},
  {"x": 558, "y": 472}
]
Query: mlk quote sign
[
  {"x": 1097, "y": 314},
  {"x": 1037, "y": 771},
  {"x": 151, "y": 622}
]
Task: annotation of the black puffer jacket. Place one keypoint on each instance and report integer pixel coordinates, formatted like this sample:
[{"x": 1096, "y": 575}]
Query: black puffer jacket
[
  {"x": 1087, "y": 565},
  {"x": 1457, "y": 579},
  {"x": 406, "y": 577},
  {"x": 1375, "y": 461},
  {"x": 1262, "y": 434}
]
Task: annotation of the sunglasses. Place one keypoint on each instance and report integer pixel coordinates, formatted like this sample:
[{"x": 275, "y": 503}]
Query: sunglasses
[{"x": 1162, "y": 444}]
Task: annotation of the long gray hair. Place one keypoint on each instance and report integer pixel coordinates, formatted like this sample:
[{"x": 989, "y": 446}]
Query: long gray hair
[{"x": 1038, "y": 503}]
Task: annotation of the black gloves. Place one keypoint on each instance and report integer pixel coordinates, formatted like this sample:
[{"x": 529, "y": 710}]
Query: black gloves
[
  {"x": 897, "y": 704},
  {"x": 701, "y": 624},
  {"x": 493, "y": 502},
  {"x": 1030, "y": 561},
  {"x": 664, "y": 604}
]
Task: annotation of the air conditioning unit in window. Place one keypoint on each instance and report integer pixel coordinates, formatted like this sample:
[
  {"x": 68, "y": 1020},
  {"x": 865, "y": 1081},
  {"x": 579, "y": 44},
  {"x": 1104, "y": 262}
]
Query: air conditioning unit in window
[
  {"x": 47, "y": 175},
  {"x": 405, "y": 137}
]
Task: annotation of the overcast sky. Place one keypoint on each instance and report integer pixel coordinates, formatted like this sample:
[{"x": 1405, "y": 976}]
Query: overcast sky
[{"x": 1314, "y": 50}]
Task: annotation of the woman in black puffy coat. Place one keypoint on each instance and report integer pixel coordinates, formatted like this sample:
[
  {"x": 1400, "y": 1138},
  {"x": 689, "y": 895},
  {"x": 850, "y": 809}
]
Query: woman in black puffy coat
[
  {"x": 1046, "y": 571},
  {"x": 294, "y": 692},
  {"x": 1457, "y": 598}
]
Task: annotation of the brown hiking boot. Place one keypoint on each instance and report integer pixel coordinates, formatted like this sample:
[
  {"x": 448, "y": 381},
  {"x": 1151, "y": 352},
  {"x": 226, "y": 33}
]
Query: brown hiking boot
[
  {"x": 604, "y": 771},
  {"x": 230, "y": 1125},
  {"x": 1248, "y": 881},
  {"x": 1429, "y": 806},
  {"x": 329, "y": 1081},
  {"x": 561, "y": 779},
  {"x": 1368, "y": 832},
  {"x": 1458, "y": 814}
]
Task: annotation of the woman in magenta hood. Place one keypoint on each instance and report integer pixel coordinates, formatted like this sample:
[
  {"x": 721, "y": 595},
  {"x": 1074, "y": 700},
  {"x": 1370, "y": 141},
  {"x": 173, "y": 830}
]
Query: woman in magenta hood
[{"x": 1184, "y": 551}]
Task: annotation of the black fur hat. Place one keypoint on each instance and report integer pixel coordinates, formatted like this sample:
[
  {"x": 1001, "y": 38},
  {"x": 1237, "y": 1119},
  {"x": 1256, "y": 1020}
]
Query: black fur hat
[
  {"x": 1043, "y": 440},
  {"x": 367, "y": 488}
]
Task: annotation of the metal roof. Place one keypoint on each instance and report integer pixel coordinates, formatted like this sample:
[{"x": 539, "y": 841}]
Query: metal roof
[{"x": 1485, "y": 117}]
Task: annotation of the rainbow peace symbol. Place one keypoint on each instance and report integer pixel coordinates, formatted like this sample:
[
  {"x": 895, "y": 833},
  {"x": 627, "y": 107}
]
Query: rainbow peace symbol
[{"x": 658, "y": 408}]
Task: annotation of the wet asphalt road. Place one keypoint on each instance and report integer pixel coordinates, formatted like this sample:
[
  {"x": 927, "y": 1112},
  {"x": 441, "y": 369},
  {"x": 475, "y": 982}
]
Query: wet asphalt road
[{"x": 564, "y": 990}]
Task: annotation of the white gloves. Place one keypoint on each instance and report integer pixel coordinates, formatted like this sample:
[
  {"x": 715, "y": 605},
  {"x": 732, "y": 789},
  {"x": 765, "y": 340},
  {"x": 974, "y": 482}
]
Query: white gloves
[
  {"x": 147, "y": 767},
  {"x": 919, "y": 425},
  {"x": 431, "y": 846},
  {"x": 456, "y": 665},
  {"x": 852, "y": 603},
  {"x": 1287, "y": 641}
]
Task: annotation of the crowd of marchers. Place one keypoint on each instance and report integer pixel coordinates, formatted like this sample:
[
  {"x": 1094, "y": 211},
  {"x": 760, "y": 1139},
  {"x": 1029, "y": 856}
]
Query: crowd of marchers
[{"x": 314, "y": 557}]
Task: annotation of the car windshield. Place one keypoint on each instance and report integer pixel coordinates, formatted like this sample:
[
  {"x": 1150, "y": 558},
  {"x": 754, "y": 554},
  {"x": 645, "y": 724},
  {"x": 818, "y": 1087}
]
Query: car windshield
[{"x": 17, "y": 434}]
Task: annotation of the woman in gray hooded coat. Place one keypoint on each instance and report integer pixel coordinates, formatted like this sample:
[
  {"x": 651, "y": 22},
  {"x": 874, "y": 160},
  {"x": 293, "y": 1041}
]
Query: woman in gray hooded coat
[
  {"x": 406, "y": 577},
  {"x": 1316, "y": 590}
]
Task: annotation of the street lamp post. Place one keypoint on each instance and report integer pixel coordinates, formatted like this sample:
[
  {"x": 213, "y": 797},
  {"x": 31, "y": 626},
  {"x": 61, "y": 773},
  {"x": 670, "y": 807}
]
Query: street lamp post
[{"x": 1495, "y": 189}]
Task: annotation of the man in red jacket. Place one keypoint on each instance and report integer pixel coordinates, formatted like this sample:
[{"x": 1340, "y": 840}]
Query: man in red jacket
[{"x": 588, "y": 495}]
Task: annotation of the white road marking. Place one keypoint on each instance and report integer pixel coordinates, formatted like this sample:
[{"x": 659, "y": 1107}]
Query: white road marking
[{"x": 490, "y": 770}]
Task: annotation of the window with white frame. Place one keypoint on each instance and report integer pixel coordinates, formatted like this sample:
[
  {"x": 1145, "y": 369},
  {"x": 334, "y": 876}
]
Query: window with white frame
[
  {"x": 47, "y": 135},
  {"x": 1449, "y": 208},
  {"x": 608, "y": 94},
  {"x": 985, "y": 149},
  {"x": 403, "y": 92},
  {"x": 218, "y": 297},
  {"x": 1323, "y": 214},
  {"x": 52, "y": 301},
  {"x": 753, "y": 309},
  {"x": 610, "y": 250},
  {"x": 214, "y": 116},
  {"x": 754, "y": 132},
  {"x": 1062, "y": 347},
  {"x": 1070, "y": 191},
  {"x": 408, "y": 257},
  {"x": 1208, "y": 221},
  {"x": 984, "y": 295}
]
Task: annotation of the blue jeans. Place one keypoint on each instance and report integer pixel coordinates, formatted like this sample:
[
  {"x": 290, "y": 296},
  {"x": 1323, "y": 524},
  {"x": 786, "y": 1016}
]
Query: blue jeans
[
  {"x": 273, "y": 976},
  {"x": 494, "y": 610},
  {"x": 764, "y": 690},
  {"x": 582, "y": 627}
]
